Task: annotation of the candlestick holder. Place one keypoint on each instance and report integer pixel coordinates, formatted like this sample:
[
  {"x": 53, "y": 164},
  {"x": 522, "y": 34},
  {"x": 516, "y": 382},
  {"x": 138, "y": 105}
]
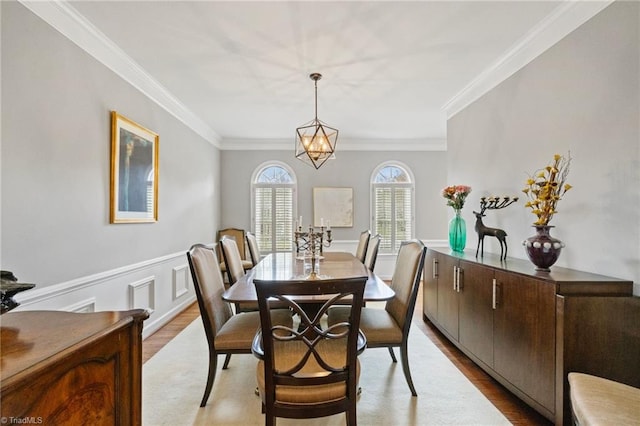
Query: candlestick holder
[{"x": 311, "y": 244}]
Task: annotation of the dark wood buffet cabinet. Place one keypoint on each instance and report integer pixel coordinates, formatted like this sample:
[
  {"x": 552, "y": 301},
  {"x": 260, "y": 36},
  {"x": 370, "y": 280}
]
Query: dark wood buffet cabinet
[
  {"x": 63, "y": 368},
  {"x": 529, "y": 329}
]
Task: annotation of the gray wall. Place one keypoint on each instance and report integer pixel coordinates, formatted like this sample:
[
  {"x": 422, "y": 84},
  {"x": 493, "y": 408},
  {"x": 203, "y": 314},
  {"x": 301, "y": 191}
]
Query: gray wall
[
  {"x": 56, "y": 101},
  {"x": 349, "y": 169},
  {"x": 582, "y": 95}
]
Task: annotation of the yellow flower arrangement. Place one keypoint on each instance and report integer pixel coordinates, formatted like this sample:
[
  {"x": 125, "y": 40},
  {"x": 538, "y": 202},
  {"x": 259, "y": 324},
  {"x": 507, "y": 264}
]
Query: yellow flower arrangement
[{"x": 546, "y": 187}]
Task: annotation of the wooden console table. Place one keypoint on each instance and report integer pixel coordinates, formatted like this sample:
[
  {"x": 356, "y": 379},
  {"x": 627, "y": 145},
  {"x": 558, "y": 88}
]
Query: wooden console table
[
  {"x": 529, "y": 329},
  {"x": 67, "y": 368}
]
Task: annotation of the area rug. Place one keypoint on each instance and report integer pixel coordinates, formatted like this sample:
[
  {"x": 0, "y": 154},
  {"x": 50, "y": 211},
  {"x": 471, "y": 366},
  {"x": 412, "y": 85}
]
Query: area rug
[{"x": 174, "y": 381}]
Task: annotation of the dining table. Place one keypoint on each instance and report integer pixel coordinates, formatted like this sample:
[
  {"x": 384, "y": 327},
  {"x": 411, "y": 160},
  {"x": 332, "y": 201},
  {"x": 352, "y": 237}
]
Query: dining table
[{"x": 292, "y": 267}]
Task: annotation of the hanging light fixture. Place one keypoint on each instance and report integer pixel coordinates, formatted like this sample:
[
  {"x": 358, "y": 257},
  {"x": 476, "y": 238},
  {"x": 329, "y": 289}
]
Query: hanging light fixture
[{"x": 315, "y": 141}]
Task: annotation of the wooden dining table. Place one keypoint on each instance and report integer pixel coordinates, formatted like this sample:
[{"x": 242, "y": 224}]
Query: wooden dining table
[{"x": 293, "y": 268}]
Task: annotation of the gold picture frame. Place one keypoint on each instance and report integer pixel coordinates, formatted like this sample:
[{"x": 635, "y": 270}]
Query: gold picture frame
[{"x": 134, "y": 172}]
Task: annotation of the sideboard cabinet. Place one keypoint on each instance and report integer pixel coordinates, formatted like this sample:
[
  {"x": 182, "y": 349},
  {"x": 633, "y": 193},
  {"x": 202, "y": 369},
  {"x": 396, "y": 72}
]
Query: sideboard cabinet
[
  {"x": 527, "y": 329},
  {"x": 68, "y": 368}
]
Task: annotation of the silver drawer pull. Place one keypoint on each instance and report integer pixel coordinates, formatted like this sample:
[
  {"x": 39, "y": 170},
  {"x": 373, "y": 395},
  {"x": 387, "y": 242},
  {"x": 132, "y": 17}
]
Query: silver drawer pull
[{"x": 494, "y": 302}]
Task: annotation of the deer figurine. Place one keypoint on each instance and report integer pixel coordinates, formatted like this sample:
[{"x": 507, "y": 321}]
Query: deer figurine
[{"x": 492, "y": 203}]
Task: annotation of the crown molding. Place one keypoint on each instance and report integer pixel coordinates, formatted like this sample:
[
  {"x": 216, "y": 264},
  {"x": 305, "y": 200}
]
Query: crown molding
[
  {"x": 558, "y": 24},
  {"x": 70, "y": 23},
  {"x": 346, "y": 144}
]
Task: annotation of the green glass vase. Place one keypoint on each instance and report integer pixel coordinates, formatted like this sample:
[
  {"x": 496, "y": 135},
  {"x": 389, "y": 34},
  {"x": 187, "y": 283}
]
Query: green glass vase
[{"x": 457, "y": 232}]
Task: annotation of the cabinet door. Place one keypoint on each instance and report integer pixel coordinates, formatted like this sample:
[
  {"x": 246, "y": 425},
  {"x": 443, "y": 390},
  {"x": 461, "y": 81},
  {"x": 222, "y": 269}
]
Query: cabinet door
[
  {"x": 524, "y": 335},
  {"x": 476, "y": 310},
  {"x": 430, "y": 285},
  {"x": 447, "y": 296}
]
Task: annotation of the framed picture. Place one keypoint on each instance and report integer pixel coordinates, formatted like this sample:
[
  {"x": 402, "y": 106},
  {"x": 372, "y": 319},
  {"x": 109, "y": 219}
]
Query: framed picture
[
  {"x": 333, "y": 207},
  {"x": 134, "y": 172}
]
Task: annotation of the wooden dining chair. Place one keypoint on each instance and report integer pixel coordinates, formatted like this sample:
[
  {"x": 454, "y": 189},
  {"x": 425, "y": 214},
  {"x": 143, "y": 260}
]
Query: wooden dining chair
[
  {"x": 239, "y": 236},
  {"x": 389, "y": 327},
  {"x": 372, "y": 251},
  {"x": 235, "y": 269},
  {"x": 254, "y": 249},
  {"x": 226, "y": 333},
  {"x": 311, "y": 370},
  {"x": 363, "y": 241}
]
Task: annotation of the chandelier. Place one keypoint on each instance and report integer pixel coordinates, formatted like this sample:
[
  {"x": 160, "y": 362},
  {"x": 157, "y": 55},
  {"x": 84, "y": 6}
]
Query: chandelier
[{"x": 315, "y": 141}]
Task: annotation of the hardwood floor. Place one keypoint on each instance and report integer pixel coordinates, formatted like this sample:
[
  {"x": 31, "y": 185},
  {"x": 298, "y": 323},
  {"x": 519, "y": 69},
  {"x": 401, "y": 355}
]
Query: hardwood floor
[
  {"x": 157, "y": 340},
  {"x": 517, "y": 412}
]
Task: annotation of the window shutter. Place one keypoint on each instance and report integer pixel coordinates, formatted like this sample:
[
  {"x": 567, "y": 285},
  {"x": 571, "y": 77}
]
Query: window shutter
[
  {"x": 283, "y": 206},
  {"x": 264, "y": 218},
  {"x": 274, "y": 190},
  {"x": 383, "y": 217},
  {"x": 403, "y": 219}
]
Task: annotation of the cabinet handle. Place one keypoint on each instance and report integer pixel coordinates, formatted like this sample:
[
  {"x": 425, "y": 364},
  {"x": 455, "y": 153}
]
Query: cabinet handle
[
  {"x": 458, "y": 279},
  {"x": 455, "y": 278},
  {"x": 494, "y": 301},
  {"x": 435, "y": 268}
]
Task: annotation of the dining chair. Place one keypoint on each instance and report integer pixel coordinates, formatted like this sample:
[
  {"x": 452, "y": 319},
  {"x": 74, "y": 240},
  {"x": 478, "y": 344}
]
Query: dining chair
[
  {"x": 235, "y": 269},
  {"x": 239, "y": 236},
  {"x": 372, "y": 251},
  {"x": 254, "y": 249},
  {"x": 389, "y": 327},
  {"x": 363, "y": 241},
  {"x": 226, "y": 333},
  {"x": 311, "y": 370}
]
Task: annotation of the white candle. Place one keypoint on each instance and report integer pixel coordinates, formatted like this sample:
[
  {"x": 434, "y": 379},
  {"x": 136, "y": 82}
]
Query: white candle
[
  {"x": 321, "y": 222},
  {"x": 300, "y": 221},
  {"x": 328, "y": 226}
]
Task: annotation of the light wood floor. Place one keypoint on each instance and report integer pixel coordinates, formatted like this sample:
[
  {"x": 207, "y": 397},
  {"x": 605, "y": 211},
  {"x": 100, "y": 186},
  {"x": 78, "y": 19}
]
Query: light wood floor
[{"x": 511, "y": 407}]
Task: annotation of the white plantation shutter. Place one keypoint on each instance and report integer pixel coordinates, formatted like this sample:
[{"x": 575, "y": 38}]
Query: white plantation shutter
[
  {"x": 264, "y": 218},
  {"x": 392, "y": 206},
  {"x": 403, "y": 215},
  {"x": 383, "y": 201},
  {"x": 283, "y": 212},
  {"x": 273, "y": 209}
]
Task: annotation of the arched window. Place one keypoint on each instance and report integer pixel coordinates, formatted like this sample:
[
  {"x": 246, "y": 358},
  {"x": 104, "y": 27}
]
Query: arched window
[
  {"x": 273, "y": 189},
  {"x": 392, "y": 201}
]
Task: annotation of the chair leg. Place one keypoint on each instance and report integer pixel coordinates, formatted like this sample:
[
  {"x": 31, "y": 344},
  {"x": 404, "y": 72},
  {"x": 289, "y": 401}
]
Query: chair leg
[
  {"x": 352, "y": 416},
  {"x": 211, "y": 377},
  {"x": 269, "y": 420},
  {"x": 405, "y": 367},
  {"x": 226, "y": 361},
  {"x": 393, "y": 356}
]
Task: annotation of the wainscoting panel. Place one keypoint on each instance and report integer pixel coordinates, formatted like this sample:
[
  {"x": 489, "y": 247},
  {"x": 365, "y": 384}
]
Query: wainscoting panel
[
  {"x": 181, "y": 279},
  {"x": 162, "y": 285},
  {"x": 142, "y": 294},
  {"x": 83, "y": 306}
]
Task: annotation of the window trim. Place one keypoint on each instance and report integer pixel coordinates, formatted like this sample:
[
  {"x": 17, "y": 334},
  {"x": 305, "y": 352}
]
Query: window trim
[
  {"x": 253, "y": 184},
  {"x": 411, "y": 185}
]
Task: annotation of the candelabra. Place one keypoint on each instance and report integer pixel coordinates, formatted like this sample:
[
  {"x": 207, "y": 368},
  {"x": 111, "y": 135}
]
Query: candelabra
[{"x": 311, "y": 244}]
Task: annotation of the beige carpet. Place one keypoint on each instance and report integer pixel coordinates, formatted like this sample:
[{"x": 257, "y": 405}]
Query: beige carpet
[{"x": 174, "y": 380}]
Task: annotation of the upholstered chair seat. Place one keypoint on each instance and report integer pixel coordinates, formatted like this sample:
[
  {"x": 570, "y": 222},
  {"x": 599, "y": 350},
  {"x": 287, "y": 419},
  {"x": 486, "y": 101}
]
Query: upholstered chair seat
[
  {"x": 334, "y": 353},
  {"x": 380, "y": 325},
  {"x": 597, "y": 401}
]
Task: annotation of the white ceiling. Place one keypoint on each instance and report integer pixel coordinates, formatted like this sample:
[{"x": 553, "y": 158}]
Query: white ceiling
[{"x": 389, "y": 68}]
